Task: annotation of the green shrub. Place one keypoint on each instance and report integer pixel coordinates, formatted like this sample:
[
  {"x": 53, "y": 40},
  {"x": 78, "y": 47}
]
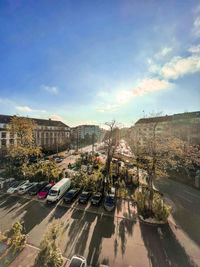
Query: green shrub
[
  {"x": 142, "y": 199},
  {"x": 17, "y": 239},
  {"x": 49, "y": 254},
  {"x": 160, "y": 210}
]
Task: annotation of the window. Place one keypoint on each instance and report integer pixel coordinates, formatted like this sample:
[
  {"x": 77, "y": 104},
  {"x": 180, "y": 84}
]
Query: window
[
  {"x": 12, "y": 141},
  {"x": 3, "y": 135},
  {"x": 11, "y": 135},
  {"x": 3, "y": 142}
]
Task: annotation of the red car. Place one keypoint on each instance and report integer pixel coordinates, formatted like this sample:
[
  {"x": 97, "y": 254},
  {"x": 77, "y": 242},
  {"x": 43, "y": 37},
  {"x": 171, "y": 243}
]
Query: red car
[{"x": 44, "y": 192}]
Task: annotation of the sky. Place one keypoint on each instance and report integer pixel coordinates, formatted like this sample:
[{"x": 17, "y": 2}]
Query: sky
[{"x": 89, "y": 62}]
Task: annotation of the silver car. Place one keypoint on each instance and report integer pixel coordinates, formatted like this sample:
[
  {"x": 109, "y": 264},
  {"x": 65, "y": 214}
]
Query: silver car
[{"x": 78, "y": 261}]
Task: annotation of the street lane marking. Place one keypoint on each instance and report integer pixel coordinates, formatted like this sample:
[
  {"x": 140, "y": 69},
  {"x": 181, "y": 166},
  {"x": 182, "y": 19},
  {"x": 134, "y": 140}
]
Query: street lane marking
[
  {"x": 185, "y": 198},
  {"x": 191, "y": 194}
]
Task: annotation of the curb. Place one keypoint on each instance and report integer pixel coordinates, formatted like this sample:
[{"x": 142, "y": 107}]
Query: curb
[{"x": 151, "y": 223}]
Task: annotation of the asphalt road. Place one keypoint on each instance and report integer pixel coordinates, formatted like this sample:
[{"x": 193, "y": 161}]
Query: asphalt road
[
  {"x": 185, "y": 203},
  {"x": 116, "y": 239}
]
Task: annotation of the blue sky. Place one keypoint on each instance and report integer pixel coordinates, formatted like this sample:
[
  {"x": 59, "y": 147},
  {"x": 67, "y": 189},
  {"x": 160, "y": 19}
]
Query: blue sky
[{"x": 94, "y": 61}]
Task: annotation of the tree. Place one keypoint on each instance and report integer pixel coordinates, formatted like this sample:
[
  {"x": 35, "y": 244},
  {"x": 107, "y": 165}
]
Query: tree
[
  {"x": 50, "y": 255},
  {"x": 48, "y": 171},
  {"x": 17, "y": 240},
  {"x": 111, "y": 140},
  {"x": 20, "y": 154}
]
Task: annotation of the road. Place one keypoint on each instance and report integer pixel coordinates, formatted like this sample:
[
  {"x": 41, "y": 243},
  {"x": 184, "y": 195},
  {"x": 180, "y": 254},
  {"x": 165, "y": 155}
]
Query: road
[
  {"x": 185, "y": 203},
  {"x": 116, "y": 239}
]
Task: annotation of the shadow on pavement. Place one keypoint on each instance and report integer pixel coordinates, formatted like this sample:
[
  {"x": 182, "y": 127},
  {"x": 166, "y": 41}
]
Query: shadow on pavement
[
  {"x": 163, "y": 248},
  {"x": 104, "y": 228},
  {"x": 78, "y": 231},
  {"x": 88, "y": 219},
  {"x": 9, "y": 202},
  {"x": 119, "y": 205},
  {"x": 125, "y": 229},
  {"x": 21, "y": 201},
  {"x": 58, "y": 212},
  {"x": 35, "y": 213},
  {"x": 185, "y": 206}
]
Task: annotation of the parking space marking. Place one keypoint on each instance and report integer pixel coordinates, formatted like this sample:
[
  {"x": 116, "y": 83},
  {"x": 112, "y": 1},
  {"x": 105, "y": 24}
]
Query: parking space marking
[{"x": 75, "y": 205}]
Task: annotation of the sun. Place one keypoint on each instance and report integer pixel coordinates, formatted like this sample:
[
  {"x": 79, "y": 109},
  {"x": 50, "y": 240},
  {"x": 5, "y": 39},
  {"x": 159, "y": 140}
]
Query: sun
[{"x": 123, "y": 96}]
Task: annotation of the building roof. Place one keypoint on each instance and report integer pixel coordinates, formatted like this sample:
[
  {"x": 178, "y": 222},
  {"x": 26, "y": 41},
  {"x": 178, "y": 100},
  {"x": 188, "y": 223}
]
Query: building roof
[
  {"x": 42, "y": 122},
  {"x": 185, "y": 115}
]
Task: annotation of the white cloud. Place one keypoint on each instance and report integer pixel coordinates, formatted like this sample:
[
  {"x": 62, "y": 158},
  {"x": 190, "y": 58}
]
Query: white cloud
[
  {"x": 163, "y": 52},
  {"x": 178, "y": 67},
  {"x": 108, "y": 107},
  {"x": 196, "y": 27},
  {"x": 27, "y": 109},
  {"x": 24, "y": 108},
  {"x": 153, "y": 68},
  {"x": 50, "y": 89},
  {"x": 194, "y": 49},
  {"x": 150, "y": 85}
]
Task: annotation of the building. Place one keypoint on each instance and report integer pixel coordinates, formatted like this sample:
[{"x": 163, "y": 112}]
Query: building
[
  {"x": 49, "y": 134},
  {"x": 185, "y": 126},
  {"x": 82, "y": 130}
]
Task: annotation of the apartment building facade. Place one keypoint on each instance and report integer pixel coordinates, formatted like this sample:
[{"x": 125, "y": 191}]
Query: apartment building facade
[
  {"x": 82, "y": 130},
  {"x": 49, "y": 134},
  {"x": 185, "y": 126}
]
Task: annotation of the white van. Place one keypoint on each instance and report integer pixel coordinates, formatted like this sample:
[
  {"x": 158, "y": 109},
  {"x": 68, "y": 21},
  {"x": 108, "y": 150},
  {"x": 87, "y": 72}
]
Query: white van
[{"x": 58, "y": 190}]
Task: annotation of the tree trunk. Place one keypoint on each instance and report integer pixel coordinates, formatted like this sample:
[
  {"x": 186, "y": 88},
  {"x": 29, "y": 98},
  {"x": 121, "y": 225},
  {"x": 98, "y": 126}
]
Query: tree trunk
[
  {"x": 151, "y": 192},
  {"x": 138, "y": 178}
]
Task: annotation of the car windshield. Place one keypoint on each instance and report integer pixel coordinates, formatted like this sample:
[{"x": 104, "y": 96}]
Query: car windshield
[
  {"x": 109, "y": 199},
  {"x": 75, "y": 262},
  {"x": 15, "y": 185},
  {"x": 53, "y": 192},
  {"x": 70, "y": 193},
  {"x": 96, "y": 197},
  {"x": 46, "y": 189},
  {"x": 84, "y": 194},
  {"x": 39, "y": 185}
]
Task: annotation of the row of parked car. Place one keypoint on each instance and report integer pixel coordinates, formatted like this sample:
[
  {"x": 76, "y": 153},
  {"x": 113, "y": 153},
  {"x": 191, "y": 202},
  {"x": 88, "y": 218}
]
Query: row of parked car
[
  {"x": 41, "y": 189},
  {"x": 95, "y": 198},
  {"x": 54, "y": 192}
]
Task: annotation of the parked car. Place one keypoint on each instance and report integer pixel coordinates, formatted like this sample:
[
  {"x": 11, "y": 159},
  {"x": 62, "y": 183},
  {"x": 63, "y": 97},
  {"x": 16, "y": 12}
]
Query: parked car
[
  {"x": 25, "y": 188},
  {"x": 110, "y": 200},
  {"x": 58, "y": 190},
  {"x": 44, "y": 192},
  {"x": 37, "y": 188},
  {"x": 96, "y": 199},
  {"x": 77, "y": 261},
  {"x": 8, "y": 183},
  {"x": 58, "y": 160},
  {"x": 84, "y": 197},
  {"x": 71, "y": 195},
  {"x": 15, "y": 187}
]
